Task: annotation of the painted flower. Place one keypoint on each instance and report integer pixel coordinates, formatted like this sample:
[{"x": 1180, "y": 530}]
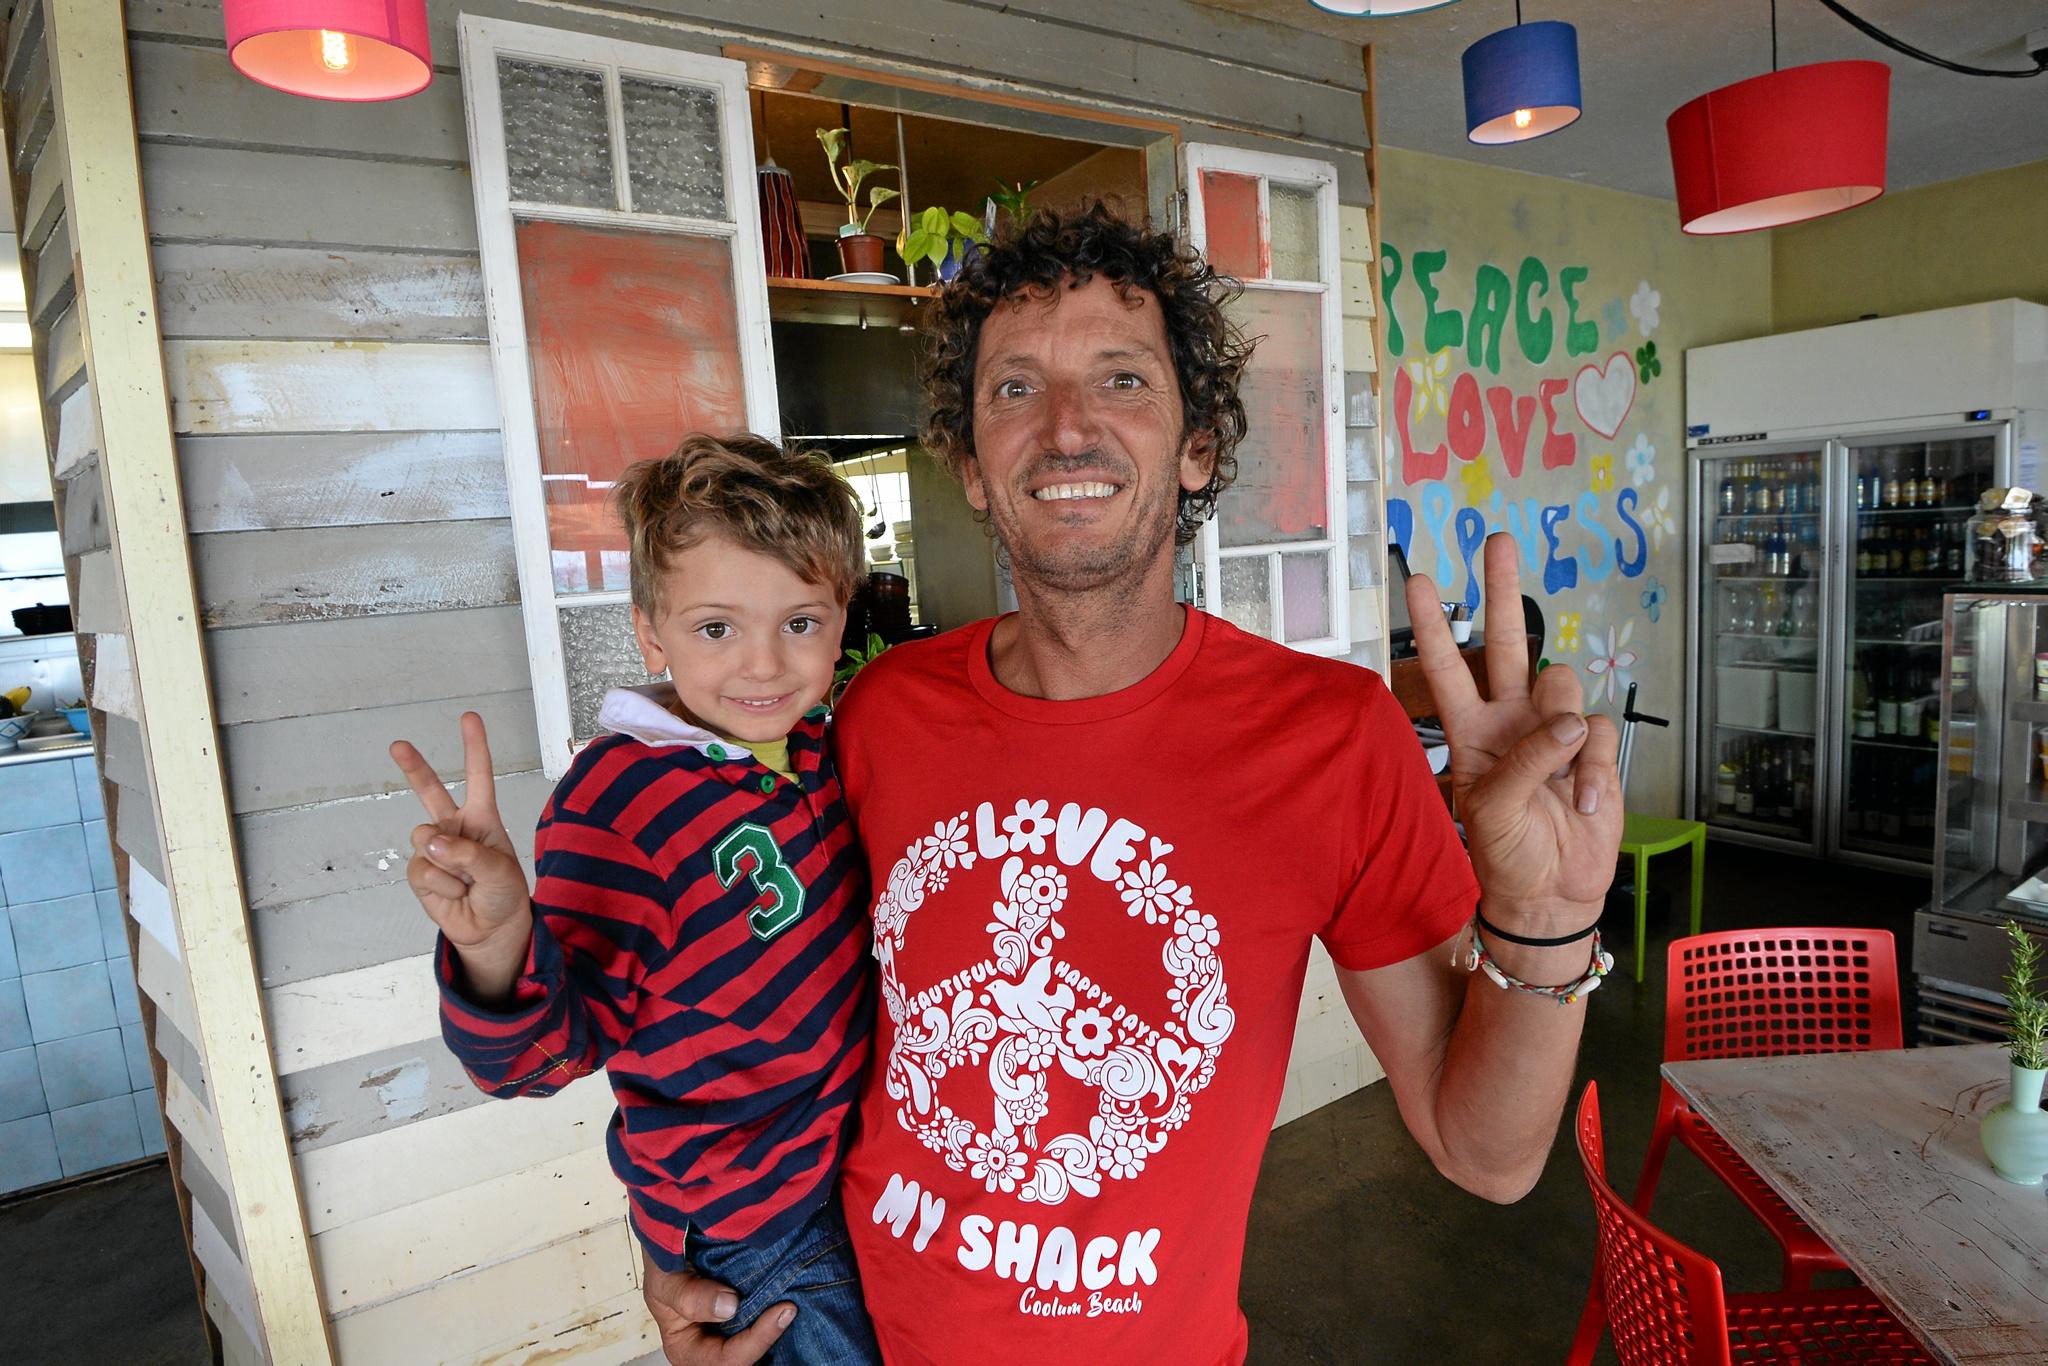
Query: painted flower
[
  {"x": 1568, "y": 632},
  {"x": 1642, "y": 461},
  {"x": 1123, "y": 1154},
  {"x": 1432, "y": 391},
  {"x": 946, "y": 846},
  {"x": 1647, "y": 364},
  {"x": 1478, "y": 481},
  {"x": 1611, "y": 662},
  {"x": 1653, "y": 599},
  {"x": 1030, "y": 1107},
  {"x": 1034, "y": 1047},
  {"x": 1603, "y": 472},
  {"x": 1042, "y": 891},
  {"x": 1658, "y": 516},
  {"x": 1199, "y": 931},
  {"x": 1147, "y": 890},
  {"x": 1087, "y": 1033},
  {"x": 994, "y": 1160},
  {"x": 1028, "y": 828},
  {"x": 1614, "y": 313},
  {"x": 1645, "y": 303}
]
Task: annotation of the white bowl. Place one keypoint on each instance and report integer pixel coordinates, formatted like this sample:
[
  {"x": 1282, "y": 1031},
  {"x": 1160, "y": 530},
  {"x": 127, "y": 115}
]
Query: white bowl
[{"x": 13, "y": 728}]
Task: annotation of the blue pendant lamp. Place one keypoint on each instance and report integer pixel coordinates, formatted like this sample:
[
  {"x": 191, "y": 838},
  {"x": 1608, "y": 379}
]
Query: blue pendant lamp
[{"x": 1522, "y": 82}]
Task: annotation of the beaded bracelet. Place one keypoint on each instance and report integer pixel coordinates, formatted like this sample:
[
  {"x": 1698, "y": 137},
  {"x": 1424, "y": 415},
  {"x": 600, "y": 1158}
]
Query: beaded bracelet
[{"x": 1476, "y": 958}]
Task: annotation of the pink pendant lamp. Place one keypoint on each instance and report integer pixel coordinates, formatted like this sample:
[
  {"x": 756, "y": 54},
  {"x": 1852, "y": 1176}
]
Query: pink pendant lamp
[
  {"x": 332, "y": 49},
  {"x": 1781, "y": 148}
]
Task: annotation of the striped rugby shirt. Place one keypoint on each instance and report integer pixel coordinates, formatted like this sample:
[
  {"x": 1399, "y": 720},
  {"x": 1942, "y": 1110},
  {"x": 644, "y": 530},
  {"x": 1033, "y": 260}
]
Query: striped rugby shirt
[{"x": 701, "y": 933}]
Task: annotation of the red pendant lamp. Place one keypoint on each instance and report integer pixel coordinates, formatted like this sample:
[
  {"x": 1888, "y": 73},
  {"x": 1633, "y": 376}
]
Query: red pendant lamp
[{"x": 332, "y": 49}]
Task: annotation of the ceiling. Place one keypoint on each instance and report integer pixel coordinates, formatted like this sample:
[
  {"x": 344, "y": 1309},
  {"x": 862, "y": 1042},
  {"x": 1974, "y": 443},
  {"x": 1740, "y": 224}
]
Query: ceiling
[{"x": 1640, "y": 59}]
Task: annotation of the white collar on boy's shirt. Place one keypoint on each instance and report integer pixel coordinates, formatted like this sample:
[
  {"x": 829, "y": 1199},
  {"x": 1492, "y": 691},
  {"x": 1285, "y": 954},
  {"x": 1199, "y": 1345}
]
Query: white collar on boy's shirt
[{"x": 640, "y": 713}]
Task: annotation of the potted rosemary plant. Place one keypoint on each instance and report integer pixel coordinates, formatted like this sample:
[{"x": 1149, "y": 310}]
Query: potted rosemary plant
[
  {"x": 860, "y": 251},
  {"x": 2015, "y": 1134}
]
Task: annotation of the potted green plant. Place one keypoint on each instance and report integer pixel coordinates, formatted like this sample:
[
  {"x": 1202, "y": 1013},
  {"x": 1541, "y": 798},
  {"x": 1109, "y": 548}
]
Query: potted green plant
[
  {"x": 2015, "y": 1134},
  {"x": 942, "y": 237},
  {"x": 1013, "y": 200},
  {"x": 860, "y": 251}
]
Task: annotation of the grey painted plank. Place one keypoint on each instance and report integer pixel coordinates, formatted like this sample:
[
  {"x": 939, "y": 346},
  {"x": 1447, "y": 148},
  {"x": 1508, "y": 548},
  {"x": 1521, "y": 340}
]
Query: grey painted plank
[
  {"x": 64, "y": 359},
  {"x": 301, "y": 940},
  {"x": 52, "y": 276},
  {"x": 304, "y": 759},
  {"x": 44, "y": 203},
  {"x": 211, "y": 290},
  {"x": 85, "y": 517},
  {"x": 181, "y": 1056},
  {"x": 309, "y": 668},
  {"x": 124, "y": 762},
  {"x": 135, "y": 831},
  {"x": 225, "y": 193},
  {"x": 303, "y": 852},
  {"x": 195, "y": 94},
  {"x": 1213, "y": 32},
  {"x": 211, "y": 1198},
  {"x": 267, "y": 483},
  {"x": 249, "y": 577},
  {"x": 24, "y": 39},
  {"x": 378, "y": 1091},
  {"x": 33, "y": 110},
  {"x": 100, "y": 606}
]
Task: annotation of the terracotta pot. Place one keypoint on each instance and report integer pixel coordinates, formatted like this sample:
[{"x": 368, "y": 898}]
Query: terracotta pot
[{"x": 861, "y": 253}]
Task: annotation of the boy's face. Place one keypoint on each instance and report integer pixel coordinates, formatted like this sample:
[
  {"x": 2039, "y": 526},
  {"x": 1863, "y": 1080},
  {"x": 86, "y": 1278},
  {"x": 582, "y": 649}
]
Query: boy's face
[{"x": 750, "y": 645}]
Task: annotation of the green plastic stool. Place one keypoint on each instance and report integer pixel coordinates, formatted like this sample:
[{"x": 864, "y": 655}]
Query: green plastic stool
[{"x": 1643, "y": 837}]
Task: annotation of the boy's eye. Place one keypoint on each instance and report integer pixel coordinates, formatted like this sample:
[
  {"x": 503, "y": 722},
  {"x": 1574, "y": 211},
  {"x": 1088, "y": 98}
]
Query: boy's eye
[
  {"x": 801, "y": 626},
  {"x": 714, "y": 630}
]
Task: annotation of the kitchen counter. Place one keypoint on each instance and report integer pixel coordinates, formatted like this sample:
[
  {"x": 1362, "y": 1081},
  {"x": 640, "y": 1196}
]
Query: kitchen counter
[{"x": 81, "y": 749}]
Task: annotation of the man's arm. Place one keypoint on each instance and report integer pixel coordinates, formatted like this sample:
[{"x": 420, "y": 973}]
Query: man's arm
[{"x": 1481, "y": 1071}]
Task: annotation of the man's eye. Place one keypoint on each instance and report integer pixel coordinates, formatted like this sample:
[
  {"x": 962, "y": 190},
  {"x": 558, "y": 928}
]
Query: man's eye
[
  {"x": 714, "y": 630},
  {"x": 1124, "y": 379},
  {"x": 801, "y": 626},
  {"x": 1012, "y": 388}
]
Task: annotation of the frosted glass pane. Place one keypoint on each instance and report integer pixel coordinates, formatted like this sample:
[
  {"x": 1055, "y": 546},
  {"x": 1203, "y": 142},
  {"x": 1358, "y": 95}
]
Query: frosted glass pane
[
  {"x": 599, "y": 652},
  {"x": 1247, "y": 601},
  {"x": 674, "y": 157},
  {"x": 1297, "y": 246},
  {"x": 1305, "y": 596},
  {"x": 1230, "y": 224},
  {"x": 558, "y": 149},
  {"x": 1282, "y": 487}
]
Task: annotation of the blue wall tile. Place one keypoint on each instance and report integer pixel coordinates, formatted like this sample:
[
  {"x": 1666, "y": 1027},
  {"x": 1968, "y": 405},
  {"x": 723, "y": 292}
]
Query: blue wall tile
[
  {"x": 99, "y": 854},
  {"x": 36, "y": 795},
  {"x": 150, "y": 1121},
  {"x": 136, "y": 1049},
  {"x": 14, "y": 1030},
  {"x": 96, "y": 1135},
  {"x": 42, "y": 865},
  {"x": 86, "y": 779},
  {"x": 21, "y": 1085},
  {"x": 10, "y": 966},
  {"x": 68, "y": 1002},
  {"x": 127, "y": 1000},
  {"x": 28, "y": 1154},
  {"x": 113, "y": 929},
  {"x": 56, "y": 934},
  {"x": 89, "y": 1067}
]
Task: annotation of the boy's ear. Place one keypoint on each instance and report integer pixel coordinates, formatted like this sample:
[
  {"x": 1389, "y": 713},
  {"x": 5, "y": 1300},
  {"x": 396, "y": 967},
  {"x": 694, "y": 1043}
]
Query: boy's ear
[{"x": 651, "y": 652}]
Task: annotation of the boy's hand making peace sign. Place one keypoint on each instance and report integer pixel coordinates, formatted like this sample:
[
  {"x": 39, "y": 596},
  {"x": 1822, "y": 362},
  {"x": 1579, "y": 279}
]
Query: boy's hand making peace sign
[{"x": 464, "y": 869}]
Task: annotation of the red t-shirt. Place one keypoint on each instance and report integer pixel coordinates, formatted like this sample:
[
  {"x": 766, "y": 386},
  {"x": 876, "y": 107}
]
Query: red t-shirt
[{"x": 1092, "y": 922}]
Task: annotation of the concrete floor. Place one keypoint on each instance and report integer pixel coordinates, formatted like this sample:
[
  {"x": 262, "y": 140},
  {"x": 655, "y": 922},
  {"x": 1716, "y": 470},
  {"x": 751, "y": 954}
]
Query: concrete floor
[{"x": 1358, "y": 1251}]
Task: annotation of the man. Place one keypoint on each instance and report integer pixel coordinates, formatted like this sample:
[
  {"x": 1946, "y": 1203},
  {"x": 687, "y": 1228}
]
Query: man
[{"x": 1104, "y": 829}]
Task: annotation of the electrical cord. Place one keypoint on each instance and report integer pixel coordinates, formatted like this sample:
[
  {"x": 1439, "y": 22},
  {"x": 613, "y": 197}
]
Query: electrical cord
[{"x": 1870, "y": 30}]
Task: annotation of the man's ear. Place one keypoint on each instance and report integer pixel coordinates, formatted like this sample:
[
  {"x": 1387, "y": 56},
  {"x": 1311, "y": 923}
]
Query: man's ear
[
  {"x": 1197, "y": 460},
  {"x": 651, "y": 652},
  {"x": 971, "y": 483}
]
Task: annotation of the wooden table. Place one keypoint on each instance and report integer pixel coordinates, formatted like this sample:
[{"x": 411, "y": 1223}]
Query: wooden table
[{"x": 1879, "y": 1152}]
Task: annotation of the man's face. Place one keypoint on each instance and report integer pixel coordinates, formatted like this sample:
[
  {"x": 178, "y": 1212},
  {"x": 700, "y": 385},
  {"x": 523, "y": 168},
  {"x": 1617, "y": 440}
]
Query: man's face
[{"x": 1079, "y": 448}]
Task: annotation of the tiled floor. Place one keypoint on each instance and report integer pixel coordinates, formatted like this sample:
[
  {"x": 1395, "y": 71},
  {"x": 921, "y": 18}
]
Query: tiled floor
[{"x": 1358, "y": 1251}]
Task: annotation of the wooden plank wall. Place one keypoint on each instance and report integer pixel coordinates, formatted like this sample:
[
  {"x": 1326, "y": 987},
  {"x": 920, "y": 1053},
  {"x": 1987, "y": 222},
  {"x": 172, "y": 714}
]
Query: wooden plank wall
[{"x": 321, "y": 297}]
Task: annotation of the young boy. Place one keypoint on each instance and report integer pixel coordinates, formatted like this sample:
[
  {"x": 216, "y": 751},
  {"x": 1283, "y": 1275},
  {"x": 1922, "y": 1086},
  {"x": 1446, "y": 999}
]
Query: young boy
[{"x": 698, "y": 926}]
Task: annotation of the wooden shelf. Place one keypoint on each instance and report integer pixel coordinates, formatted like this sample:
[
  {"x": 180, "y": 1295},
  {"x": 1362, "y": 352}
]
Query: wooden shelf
[{"x": 845, "y": 302}]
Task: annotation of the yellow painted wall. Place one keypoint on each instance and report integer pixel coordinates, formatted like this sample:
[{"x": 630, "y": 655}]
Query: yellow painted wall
[
  {"x": 1627, "y": 602},
  {"x": 1960, "y": 242}
]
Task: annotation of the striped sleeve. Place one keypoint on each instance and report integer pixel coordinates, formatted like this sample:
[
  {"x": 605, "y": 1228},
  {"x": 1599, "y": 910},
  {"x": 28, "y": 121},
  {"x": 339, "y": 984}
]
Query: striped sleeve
[{"x": 599, "y": 911}]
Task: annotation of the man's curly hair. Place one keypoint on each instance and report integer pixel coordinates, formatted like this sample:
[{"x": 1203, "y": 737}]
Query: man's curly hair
[{"x": 1049, "y": 251}]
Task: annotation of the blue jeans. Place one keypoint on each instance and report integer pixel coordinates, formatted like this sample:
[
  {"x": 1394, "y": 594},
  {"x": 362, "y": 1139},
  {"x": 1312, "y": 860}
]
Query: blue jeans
[{"x": 811, "y": 1268}]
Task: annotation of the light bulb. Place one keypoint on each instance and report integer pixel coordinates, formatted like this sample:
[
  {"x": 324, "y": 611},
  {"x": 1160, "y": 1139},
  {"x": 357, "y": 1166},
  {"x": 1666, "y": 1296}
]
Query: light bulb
[
  {"x": 1523, "y": 118},
  {"x": 337, "y": 53}
]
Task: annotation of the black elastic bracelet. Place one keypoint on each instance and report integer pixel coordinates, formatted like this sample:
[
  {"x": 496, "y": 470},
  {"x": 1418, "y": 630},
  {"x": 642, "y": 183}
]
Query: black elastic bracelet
[{"x": 1498, "y": 933}]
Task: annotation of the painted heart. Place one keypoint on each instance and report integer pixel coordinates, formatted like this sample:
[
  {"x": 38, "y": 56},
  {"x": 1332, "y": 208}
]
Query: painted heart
[
  {"x": 1604, "y": 396},
  {"x": 1160, "y": 848}
]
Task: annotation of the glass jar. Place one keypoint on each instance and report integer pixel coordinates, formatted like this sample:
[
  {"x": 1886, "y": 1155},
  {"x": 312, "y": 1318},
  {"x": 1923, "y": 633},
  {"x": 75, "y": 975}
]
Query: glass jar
[{"x": 2006, "y": 536}]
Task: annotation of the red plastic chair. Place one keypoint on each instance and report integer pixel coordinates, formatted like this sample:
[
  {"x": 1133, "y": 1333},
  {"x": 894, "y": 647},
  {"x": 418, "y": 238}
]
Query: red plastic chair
[
  {"x": 1666, "y": 1305},
  {"x": 1758, "y": 994}
]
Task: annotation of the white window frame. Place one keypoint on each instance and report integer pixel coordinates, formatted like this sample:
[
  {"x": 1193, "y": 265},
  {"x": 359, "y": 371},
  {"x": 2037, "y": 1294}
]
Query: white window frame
[
  {"x": 483, "y": 42},
  {"x": 1197, "y": 157}
]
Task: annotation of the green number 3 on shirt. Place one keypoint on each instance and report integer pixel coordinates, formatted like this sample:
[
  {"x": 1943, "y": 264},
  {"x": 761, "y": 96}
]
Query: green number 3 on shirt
[{"x": 749, "y": 851}]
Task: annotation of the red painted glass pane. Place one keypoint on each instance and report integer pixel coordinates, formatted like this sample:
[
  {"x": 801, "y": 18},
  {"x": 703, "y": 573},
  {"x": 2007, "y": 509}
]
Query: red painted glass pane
[
  {"x": 1282, "y": 487},
  {"x": 633, "y": 338},
  {"x": 1230, "y": 220}
]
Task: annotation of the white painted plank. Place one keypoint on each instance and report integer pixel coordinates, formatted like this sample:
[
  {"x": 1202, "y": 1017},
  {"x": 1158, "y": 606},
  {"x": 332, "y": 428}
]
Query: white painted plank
[
  {"x": 231, "y": 290},
  {"x": 236, "y": 1347},
  {"x": 267, "y": 483},
  {"x": 302, "y": 940},
  {"x": 247, "y": 578},
  {"x": 608, "y": 1333},
  {"x": 149, "y": 905},
  {"x": 377, "y": 1093},
  {"x": 311, "y": 668},
  {"x": 386, "y": 1171},
  {"x": 78, "y": 434},
  {"x": 100, "y": 604},
  {"x": 466, "y": 1315},
  {"x": 386, "y": 1255},
  {"x": 227, "y": 387},
  {"x": 229, "y": 194},
  {"x": 162, "y": 978},
  {"x": 225, "y": 1275},
  {"x": 306, "y": 759},
  {"x": 329, "y": 1019},
  {"x": 113, "y": 676},
  {"x": 304, "y": 852},
  {"x": 193, "y": 1121}
]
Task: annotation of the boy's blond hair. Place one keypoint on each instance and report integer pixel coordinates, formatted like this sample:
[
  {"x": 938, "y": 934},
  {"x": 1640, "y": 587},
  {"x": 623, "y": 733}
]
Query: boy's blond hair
[{"x": 787, "y": 504}]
